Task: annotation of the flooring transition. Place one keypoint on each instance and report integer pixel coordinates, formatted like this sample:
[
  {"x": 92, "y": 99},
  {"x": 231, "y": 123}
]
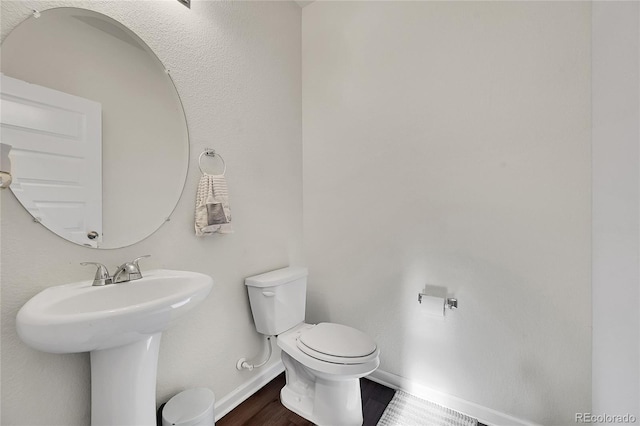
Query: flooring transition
[{"x": 264, "y": 408}]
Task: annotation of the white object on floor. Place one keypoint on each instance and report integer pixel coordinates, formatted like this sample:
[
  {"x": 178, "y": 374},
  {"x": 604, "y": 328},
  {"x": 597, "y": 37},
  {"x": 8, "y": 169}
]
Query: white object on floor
[
  {"x": 192, "y": 407},
  {"x": 405, "y": 409}
]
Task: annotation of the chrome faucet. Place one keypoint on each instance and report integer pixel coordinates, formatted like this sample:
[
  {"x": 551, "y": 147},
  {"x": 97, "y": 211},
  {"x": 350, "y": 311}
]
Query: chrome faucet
[
  {"x": 128, "y": 271},
  {"x": 102, "y": 274}
]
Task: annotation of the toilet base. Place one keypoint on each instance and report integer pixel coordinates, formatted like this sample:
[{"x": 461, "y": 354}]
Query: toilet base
[
  {"x": 302, "y": 405},
  {"x": 333, "y": 401}
]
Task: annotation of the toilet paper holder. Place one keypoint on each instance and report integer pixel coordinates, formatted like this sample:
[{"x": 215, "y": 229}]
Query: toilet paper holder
[{"x": 450, "y": 302}]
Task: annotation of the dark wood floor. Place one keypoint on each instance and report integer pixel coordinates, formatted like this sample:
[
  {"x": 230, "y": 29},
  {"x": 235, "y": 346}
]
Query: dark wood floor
[{"x": 264, "y": 408}]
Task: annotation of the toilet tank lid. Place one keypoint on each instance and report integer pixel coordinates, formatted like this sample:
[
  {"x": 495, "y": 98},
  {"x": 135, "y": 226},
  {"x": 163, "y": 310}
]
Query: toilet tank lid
[{"x": 277, "y": 277}]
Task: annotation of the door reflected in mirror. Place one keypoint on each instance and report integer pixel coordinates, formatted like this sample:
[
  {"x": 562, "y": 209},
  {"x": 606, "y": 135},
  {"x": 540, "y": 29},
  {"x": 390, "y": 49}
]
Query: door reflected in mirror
[{"x": 99, "y": 139}]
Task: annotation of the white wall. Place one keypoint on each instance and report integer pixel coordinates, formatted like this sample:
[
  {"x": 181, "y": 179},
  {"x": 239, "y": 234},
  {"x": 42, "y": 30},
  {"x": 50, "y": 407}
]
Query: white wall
[
  {"x": 616, "y": 249},
  {"x": 237, "y": 68},
  {"x": 448, "y": 143}
]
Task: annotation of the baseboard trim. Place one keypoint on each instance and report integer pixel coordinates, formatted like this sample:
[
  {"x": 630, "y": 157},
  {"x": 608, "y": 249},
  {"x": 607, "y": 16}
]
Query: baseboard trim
[
  {"x": 244, "y": 391},
  {"x": 483, "y": 414}
]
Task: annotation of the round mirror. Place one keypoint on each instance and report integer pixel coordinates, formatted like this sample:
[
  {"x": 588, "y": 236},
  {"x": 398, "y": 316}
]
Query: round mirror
[{"x": 95, "y": 129}]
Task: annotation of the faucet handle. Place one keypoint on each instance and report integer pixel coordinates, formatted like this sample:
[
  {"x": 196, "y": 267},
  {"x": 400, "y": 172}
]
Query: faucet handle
[
  {"x": 102, "y": 274},
  {"x": 135, "y": 261},
  {"x": 135, "y": 273}
]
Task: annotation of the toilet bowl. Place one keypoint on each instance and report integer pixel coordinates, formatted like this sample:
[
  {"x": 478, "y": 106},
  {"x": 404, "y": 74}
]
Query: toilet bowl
[
  {"x": 324, "y": 362},
  {"x": 325, "y": 392}
]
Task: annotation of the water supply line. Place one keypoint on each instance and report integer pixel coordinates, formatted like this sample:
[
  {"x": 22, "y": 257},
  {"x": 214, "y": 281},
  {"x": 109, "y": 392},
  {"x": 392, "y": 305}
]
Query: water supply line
[{"x": 242, "y": 363}]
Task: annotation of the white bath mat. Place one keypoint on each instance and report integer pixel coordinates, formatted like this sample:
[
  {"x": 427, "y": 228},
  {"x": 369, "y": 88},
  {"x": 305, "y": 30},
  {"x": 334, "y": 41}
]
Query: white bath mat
[{"x": 408, "y": 410}]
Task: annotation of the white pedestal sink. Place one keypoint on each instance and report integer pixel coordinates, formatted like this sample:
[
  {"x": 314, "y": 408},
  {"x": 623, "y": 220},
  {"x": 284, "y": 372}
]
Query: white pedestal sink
[{"x": 120, "y": 325}]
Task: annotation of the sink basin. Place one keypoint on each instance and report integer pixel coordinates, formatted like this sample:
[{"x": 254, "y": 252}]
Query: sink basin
[
  {"x": 121, "y": 326},
  {"x": 79, "y": 317}
]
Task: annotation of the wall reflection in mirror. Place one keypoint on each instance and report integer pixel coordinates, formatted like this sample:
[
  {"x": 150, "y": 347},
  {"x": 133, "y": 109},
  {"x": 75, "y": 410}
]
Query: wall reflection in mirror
[{"x": 98, "y": 134}]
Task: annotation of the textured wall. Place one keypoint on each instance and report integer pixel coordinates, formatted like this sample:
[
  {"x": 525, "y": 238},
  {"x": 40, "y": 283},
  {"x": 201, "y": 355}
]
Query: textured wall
[
  {"x": 448, "y": 143},
  {"x": 236, "y": 66}
]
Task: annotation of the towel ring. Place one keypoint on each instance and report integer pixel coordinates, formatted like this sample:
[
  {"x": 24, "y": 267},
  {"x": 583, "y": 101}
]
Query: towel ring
[{"x": 211, "y": 153}]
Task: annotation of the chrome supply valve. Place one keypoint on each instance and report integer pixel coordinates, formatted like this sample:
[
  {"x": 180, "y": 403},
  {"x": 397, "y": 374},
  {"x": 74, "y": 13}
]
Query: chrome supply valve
[
  {"x": 129, "y": 271},
  {"x": 102, "y": 274}
]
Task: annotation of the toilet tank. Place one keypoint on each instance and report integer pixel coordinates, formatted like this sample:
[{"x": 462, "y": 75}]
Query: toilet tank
[{"x": 278, "y": 299}]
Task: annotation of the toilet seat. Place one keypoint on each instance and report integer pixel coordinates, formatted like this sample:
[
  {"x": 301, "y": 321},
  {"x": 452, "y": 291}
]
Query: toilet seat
[
  {"x": 288, "y": 342},
  {"x": 337, "y": 343}
]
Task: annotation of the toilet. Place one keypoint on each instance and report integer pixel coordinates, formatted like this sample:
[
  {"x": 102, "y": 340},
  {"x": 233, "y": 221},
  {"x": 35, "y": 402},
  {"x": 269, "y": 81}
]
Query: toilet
[{"x": 323, "y": 362}]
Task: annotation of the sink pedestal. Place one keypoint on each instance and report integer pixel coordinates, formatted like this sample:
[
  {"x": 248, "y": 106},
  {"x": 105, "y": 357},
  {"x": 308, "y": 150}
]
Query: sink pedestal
[
  {"x": 120, "y": 325},
  {"x": 123, "y": 384}
]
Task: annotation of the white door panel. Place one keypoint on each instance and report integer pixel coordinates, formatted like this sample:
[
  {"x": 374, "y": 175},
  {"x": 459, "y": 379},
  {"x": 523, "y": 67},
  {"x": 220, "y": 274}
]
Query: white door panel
[
  {"x": 36, "y": 141},
  {"x": 19, "y": 112},
  {"x": 56, "y": 156}
]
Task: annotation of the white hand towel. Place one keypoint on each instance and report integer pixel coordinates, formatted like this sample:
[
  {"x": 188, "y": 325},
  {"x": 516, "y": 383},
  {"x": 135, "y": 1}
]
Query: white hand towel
[{"x": 212, "y": 206}]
